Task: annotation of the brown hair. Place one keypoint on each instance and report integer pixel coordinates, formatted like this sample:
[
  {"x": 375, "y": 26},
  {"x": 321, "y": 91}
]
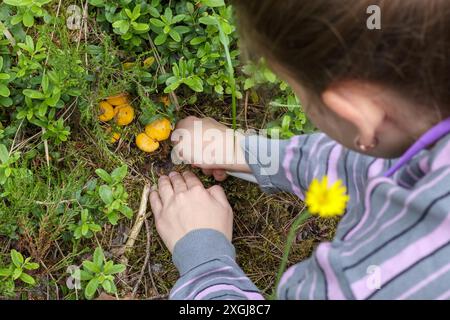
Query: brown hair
[{"x": 324, "y": 41}]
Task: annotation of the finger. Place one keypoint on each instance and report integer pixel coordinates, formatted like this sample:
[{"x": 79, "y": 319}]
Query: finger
[
  {"x": 218, "y": 193},
  {"x": 219, "y": 175},
  {"x": 156, "y": 204},
  {"x": 165, "y": 189},
  {"x": 207, "y": 172},
  {"x": 191, "y": 180},
  {"x": 178, "y": 183}
]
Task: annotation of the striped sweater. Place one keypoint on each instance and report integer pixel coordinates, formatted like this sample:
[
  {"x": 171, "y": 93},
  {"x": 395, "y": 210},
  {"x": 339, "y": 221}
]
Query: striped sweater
[{"x": 392, "y": 243}]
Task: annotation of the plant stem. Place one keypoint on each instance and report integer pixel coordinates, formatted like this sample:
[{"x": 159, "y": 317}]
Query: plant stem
[{"x": 301, "y": 218}]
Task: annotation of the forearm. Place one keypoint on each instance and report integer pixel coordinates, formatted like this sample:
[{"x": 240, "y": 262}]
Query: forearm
[{"x": 206, "y": 262}]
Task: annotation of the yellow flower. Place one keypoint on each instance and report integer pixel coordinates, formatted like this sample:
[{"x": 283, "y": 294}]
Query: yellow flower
[{"x": 326, "y": 201}]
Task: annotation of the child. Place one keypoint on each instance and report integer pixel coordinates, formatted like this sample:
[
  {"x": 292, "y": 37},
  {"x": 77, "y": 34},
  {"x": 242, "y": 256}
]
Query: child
[{"x": 375, "y": 94}]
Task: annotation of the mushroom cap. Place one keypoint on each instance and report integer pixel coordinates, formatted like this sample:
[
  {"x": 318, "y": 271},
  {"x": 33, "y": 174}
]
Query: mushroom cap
[
  {"x": 159, "y": 130},
  {"x": 107, "y": 111},
  {"x": 146, "y": 144},
  {"x": 124, "y": 114},
  {"x": 118, "y": 100}
]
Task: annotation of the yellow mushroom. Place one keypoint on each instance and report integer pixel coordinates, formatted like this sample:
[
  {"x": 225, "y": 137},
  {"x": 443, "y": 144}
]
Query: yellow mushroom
[
  {"x": 107, "y": 111},
  {"x": 149, "y": 62},
  {"x": 159, "y": 130},
  {"x": 124, "y": 114},
  {"x": 146, "y": 144},
  {"x": 128, "y": 65},
  {"x": 114, "y": 137},
  {"x": 118, "y": 100}
]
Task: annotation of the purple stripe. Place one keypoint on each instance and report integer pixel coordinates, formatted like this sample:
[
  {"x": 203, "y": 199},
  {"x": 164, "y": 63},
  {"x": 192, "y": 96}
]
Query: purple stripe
[
  {"x": 290, "y": 152},
  {"x": 424, "y": 165},
  {"x": 355, "y": 182},
  {"x": 372, "y": 185},
  {"x": 444, "y": 296},
  {"x": 412, "y": 174},
  {"x": 406, "y": 258},
  {"x": 313, "y": 287},
  {"x": 380, "y": 214},
  {"x": 333, "y": 162},
  {"x": 284, "y": 279},
  {"x": 334, "y": 290},
  {"x": 376, "y": 168},
  {"x": 319, "y": 154},
  {"x": 400, "y": 215},
  {"x": 424, "y": 282},
  {"x": 299, "y": 289},
  {"x": 228, "y": 287},
  {"x": 312, "y": 152},
  {"x": 429, "y": 138},
  {"x": 199, "y": 277},
  {"x": 218, "y": 279},
  {"x": 443, "y": 158}
]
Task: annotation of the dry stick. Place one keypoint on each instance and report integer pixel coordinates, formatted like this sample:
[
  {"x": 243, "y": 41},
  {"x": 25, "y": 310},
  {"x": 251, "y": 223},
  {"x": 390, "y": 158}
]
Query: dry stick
[
  {"x": 137, "y": 225},
  {"x": 172, "y": 95},
  {"x": 8, "y": 35},
  {"x": 147, "y": 258}
]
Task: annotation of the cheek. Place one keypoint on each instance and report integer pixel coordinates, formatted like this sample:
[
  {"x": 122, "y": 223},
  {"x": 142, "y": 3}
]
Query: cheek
[{"x": 333, "y": 126}]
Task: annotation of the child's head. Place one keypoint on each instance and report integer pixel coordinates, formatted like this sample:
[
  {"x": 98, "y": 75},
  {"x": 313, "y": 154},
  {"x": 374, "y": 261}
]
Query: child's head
[{"x": 373, "y": 88}]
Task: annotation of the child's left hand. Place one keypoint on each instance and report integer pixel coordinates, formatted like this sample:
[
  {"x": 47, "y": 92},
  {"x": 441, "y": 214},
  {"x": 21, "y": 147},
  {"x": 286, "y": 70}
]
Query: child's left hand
[{"x": 182, "y": 204}]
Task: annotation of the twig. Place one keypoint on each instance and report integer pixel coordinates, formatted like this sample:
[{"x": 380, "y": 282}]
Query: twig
[
  {"x": 8, "y": 34},
  {"x": 137, "y": 224},
  {"x": 147, "y": 258},
  {"x": 47, "y": 155}
]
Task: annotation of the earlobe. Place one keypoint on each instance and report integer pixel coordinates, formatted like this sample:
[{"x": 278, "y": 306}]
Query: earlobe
[{"x": 354, "y": 104}]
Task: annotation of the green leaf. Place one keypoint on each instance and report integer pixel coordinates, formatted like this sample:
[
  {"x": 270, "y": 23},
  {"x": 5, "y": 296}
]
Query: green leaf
[
  {"x": 122, "y": 25},
  {"x": 16, "y": 273},
  {"x": 5, "y": 272},
  {"x": 106, "y": 194},
  {"x": 16, "y": 3},
  {"x": 91, "y": 266},
  {"x": 27, "y": 279},
  {"x": 28, "y": 19},
  {"x": 175, "y": 35},
  {"x": 91, "y": 288},
  {"x": 197, "y": 41},
  {"x": 119, "y": 173},
  {"x": 33, "y": 94},
  {"x": 32, "y": 266},
  {"x": 195, "y": 83},
  {"x": 208, "y": 20},
  {"x": 104, "y": 175},
  {"x": 107, "y": 286},
  {"x": 213, "y": 3},
  {"x": 141, "y": 27},
  {"x": 17, "y": 258},
  {"x": 4, "y": 156},
  {"x": 157, "y": 23},
  {"x": 117, "y": 268},
  {"x": 4, "y": 91},
  {"x": 99, "y": 257},
  {"x": 161, "y": 39},
  {"x": 85, "y": 276}
]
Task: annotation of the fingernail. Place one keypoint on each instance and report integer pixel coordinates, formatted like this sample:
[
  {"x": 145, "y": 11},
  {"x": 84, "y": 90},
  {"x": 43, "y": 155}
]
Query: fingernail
[{"x": 173, "y": 174}]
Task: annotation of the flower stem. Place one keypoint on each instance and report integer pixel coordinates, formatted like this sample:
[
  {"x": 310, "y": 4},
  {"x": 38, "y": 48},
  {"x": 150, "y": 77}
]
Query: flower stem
[{"x": 301, "y": 218}]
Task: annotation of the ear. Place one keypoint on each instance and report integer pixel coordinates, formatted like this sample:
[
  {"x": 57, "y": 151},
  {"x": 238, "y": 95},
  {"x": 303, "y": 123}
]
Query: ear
[{"x": 357, "y": 104}]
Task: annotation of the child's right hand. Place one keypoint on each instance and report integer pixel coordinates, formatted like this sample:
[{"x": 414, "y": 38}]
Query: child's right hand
[{"x": 207, "y": 144}]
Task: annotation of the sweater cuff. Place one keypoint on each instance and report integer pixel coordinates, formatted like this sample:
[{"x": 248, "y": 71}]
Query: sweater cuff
[
  {"x": 200, "y": 246},
  {"x": 254, "y": 148}
]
